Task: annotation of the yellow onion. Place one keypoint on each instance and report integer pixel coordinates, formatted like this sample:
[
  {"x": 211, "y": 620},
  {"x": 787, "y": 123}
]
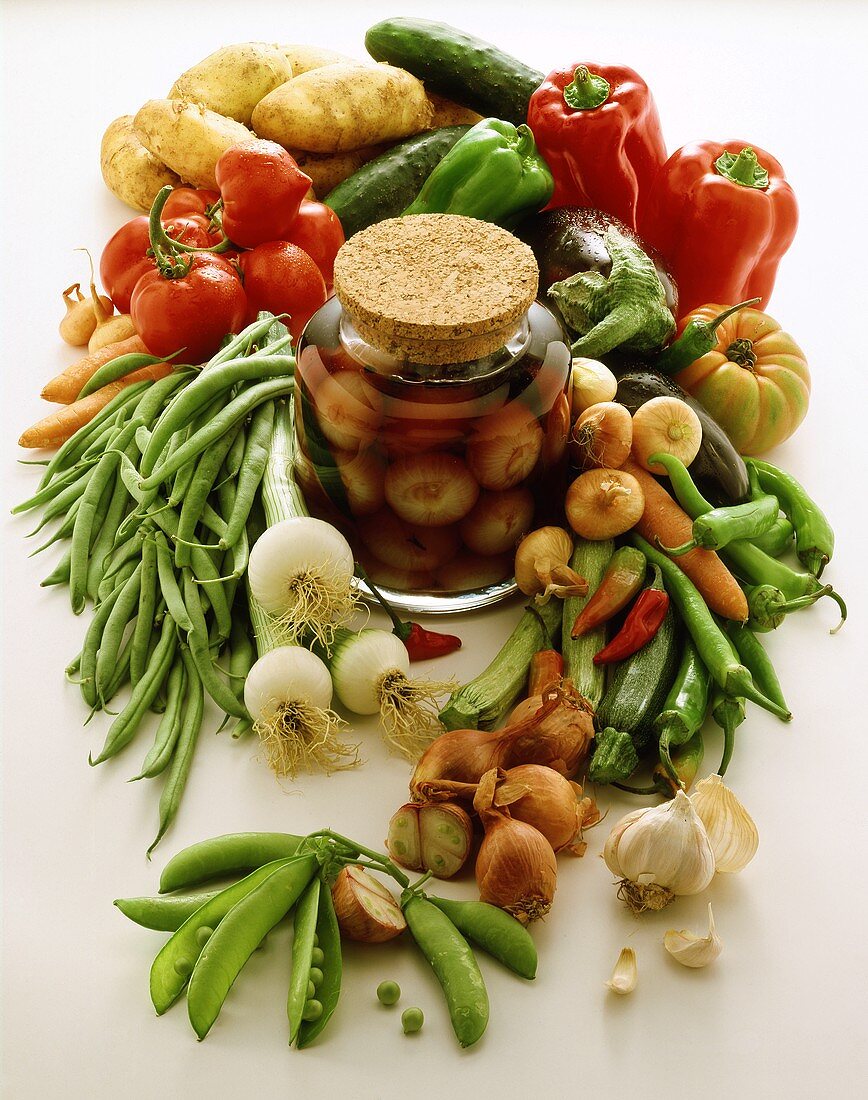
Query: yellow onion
[
  {"x": 516, "y": 868},
  {"x": 366, "y": 911},
  {"x": 544, "y": 798}
]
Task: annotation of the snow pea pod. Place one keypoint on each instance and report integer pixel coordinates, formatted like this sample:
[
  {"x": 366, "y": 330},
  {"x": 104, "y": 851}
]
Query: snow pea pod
[
  {"x": 173, "y": 965},
  {"x": 232, "y": 853},
  {"x": 164, "y": 914},
  {"x": 329, "y": 936},
  {"x": 495, "y": 931},
  {"x": 302, "y": 951},
  {"x": 238, "y": 935},
  {"x": 453, "y": 962}
]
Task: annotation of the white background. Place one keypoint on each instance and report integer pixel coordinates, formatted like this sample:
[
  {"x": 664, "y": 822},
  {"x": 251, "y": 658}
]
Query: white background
[{"x": 782, "y": 1012}]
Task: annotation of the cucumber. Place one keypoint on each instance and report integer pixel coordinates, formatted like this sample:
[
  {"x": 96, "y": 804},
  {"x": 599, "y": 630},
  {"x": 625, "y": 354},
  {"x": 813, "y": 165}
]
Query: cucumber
[
  {"x": 385, "y": 187},
  {"x": 465, "y": 69},
  {"x": 589, "y": 560}
]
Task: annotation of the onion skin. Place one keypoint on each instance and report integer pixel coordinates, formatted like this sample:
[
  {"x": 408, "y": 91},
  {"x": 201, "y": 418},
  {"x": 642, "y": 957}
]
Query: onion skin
[
  {"x": 356, "y": 921},
  {"x": 516, "y": 868},
  {"x": 557, "y": 735},
  {"x": 550, "y": 805},
  {"x": 602, "y": 436}
]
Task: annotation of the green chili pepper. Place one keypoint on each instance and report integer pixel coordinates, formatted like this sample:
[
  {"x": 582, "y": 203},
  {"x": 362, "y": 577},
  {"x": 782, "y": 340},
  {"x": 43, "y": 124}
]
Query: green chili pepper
[
  {"x": 686, "y": 760},
  {"x": 627, "y": 310},
  {"x": 685, "y": 706},
  {"x": 728, "y": 713},
  {"x": 778, "y": 539},
  {"x": 815, "y": 539},
  {"x": 754, "y": 657},
  {"x": 493, "y": 173},
  {"x": 698, "y": 338},
  {"x": 713, "y": 646}
]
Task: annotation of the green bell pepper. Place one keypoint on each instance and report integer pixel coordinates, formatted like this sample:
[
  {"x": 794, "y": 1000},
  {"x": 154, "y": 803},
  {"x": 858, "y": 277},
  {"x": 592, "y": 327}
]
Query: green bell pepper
[{"x": 493, "y": 173}]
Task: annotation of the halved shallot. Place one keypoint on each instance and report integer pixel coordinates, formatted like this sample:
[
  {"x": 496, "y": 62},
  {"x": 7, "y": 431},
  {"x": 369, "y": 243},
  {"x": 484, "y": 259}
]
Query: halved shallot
[{"x": 430, "y": 836}]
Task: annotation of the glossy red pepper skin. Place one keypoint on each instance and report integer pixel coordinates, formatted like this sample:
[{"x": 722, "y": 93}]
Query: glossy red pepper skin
[
  {"x": 723, "y": 240},
  {"x": 423, "y": 644},
  {"x": 642, "y": 623},
  {"x": 603, "y": 156},
  {"x": 262, "y": 189}
]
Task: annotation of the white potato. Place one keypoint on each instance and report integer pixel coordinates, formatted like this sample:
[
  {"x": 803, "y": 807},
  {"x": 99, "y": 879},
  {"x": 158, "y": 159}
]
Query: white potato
[
  {"x": 188, "y": 137},
  {"x": 303, "y": 58},
  {"x": 342, "y": 107},
  {"x": 233, "y": 79},
  {"x": 130, "y": 171},
  {"x": 327, "y": 170}
]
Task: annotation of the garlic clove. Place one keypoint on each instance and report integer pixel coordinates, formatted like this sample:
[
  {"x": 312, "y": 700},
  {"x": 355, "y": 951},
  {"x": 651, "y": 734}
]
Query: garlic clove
[
  {"x": 692, "y": 950},
  {"x": 731, "y": 830},
  {"x": 625, "y": 974}
]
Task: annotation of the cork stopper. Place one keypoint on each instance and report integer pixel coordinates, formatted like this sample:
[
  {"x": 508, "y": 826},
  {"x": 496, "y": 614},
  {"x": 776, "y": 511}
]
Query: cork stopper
[{"x": 436, "y": 288}]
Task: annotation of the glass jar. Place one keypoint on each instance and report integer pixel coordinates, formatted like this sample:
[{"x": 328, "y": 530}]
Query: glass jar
[{"x": 434, "y": 471}]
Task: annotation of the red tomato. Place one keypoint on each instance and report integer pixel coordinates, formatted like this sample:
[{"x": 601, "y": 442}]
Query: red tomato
[
  {"x": 193, "y": 311},
  {"x": 188, "y": 200},
  {"x": 124, "y": 259},
  {"x": 318, "y": 230},
  {"x": 262, "y": 188},
  {"x": 281, "y": 278}
]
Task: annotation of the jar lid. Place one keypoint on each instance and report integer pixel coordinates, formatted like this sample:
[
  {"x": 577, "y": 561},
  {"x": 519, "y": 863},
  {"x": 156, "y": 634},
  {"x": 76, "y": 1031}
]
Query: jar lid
[{"x": 436, "y": 288}]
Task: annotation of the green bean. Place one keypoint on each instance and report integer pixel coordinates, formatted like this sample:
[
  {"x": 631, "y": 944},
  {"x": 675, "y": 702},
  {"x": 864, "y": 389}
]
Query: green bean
[
  {"x": 235, "y": 454},
  {"x": 123, "y": 729},
  {"x": 147, "y": 609},
  {"x": 232, "y": 853},
  {"x": 94, "y": 634},
  {"x": 98, "y": 485},
  {"x": 103, "y": 545},
  {"x": 120, "y": 674},
  {"x": 214, "y": 380},
  {"x": 64, "y": 531},
  {"x": 197, "y": 639},
  {"x": 207, "y": 469},
  {"x": 238, "y": 935},
  {"x": 328, "y": 937},
  {"x": 119, "y": 558},
  {"x": 163, "y": 914},
  {"x": 252, "y": 469},
  {"x": 119, "y": 368},
  {"x": 116, "y": 624},
  {"x": 302, "y": 951},
  {"x": 74, "y": 447},
  {"x": 236, "y": 410},
  {"x": 182, "y": 758},
  {"x": 65, "y": 488},
  {"x": 173, "y": 965},
  {"x": 184, "y": 476},
  {"x": 242, "y": 654},
  {"x": 495, "y": 931},
  {"x": 452, "y": 961},
  {"x": 169, "y": 729},
  {"x": 169, "y": 583},
  {"x": 60, "y": 573}
]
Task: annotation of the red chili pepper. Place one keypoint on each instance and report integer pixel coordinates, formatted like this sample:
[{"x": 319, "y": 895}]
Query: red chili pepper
[
  {"x": 722, "y": 214},
  {"x": 621, "y": 581},
  {"x": 422, "y": 644},
  {"x": 598, "y": 129},
  {"x": 640, "y": 626}
]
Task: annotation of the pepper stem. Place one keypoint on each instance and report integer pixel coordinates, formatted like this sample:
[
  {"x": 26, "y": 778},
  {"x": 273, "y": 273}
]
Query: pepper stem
[
  {"x": 399, "y": 626},
  {"x": 676, "y": 551},
  {"x": 587, "y": 90},
  {"x": 743, "y": 169},
  {"x": 716, "y": 322}
]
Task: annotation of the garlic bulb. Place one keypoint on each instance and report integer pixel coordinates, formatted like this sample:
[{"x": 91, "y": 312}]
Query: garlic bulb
[
  {"x": 625, "y": 974},
  {"x": 691, "y": 950},
  {"x": 731, "y": 830},
  {"x": 660, "y": 852}
]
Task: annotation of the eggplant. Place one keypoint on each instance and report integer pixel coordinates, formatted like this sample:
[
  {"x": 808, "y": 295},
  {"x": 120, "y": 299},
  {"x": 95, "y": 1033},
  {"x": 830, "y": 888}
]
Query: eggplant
[
  {"x": 571, "y": 239},
  {"x": 718, "y": 468}
]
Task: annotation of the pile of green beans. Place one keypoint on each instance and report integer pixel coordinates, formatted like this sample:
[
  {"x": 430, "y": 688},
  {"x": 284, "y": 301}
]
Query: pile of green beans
[
  {"x": 215, "y": 931},
  {"x": 152, "y": 498}
]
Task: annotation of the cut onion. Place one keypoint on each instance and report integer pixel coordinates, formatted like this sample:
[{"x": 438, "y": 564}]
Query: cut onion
[
  {"x": 366, "y": 910},
  {"x": 433, "y": 489},
  {"x": 431, "y": 836},
  {"x": 505, "y": 447},
  {"x": 348, "y": 408},
  {"x": 407, "y": 546},
  {"x": 470, "y": 571},
  {"x": 498, "y": 521}
]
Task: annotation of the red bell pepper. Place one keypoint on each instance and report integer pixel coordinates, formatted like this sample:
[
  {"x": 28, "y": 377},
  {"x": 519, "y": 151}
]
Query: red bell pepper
[
  {"x": 723, "y": 215},
  {"x": 597, "y": 128}
]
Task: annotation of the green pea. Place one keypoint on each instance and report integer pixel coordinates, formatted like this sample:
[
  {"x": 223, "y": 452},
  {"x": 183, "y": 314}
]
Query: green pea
[
  {"x": 311, "y": 990},
  {"x": 316, "y": 976},
  {"x": 388, "y": 993},
  {"x": 412, "y": 1020},
  {"x": 203, "y": 934},
  {"x": 316, "y": 941},
  {"x": 312, "y": 1010},
  {"x": 317, "y": 957},
  {"x": 183, "y": 966}
]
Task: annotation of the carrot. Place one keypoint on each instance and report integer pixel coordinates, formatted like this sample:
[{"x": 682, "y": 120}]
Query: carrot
[
  {"x": 58, "y": 426},
  {"x": 67, "y": 385},
  {"x": 664, "y": 519}
]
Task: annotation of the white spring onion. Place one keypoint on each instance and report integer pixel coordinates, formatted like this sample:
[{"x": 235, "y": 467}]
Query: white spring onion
[
  {"x": 371, "y": 674},
  {"x": 301, "y": 569},
  {"x": 288, "y": 693}
]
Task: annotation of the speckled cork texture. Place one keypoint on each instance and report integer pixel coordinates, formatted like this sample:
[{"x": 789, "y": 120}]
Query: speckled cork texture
[{"x": 436, "y": 288}]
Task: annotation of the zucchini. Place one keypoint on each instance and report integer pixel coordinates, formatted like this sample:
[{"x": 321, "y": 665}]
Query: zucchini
[
  {"x": 459, "y": 66},
  {"x": 589, "y": 560},
  {"x": 385, "y": 187},
  {"x": 718, "y": 467}
]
